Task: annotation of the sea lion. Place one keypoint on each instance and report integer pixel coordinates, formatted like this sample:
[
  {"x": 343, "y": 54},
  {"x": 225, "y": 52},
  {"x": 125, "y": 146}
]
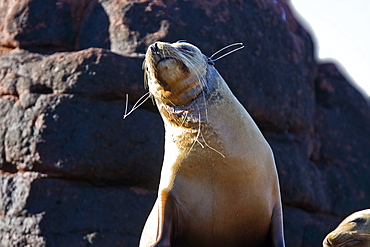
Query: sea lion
[
  {"x": 219, "y": 184},
  {"x": 353, "y": 231}
]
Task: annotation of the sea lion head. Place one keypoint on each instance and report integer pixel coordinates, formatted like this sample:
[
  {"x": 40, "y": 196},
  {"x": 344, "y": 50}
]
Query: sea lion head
[
  {"x": 353, "y": 231},
  {"x": 175, "y": 72}
]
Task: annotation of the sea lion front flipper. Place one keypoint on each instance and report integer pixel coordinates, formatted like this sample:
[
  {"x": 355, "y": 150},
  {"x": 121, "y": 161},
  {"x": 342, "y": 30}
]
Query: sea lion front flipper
[
  {"x": 276, "y": 228},
  {"x": 167, "y": 217}
]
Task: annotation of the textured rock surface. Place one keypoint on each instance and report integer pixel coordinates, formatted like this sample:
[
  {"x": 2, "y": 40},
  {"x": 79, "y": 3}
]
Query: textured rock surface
[
  {"x": 74, "y": 173},
  {"x": 63, "y": 116}
]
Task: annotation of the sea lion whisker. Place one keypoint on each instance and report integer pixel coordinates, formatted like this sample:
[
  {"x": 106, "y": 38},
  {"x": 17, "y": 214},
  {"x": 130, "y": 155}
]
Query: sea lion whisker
[
  {"x": 138, "y": 103},
  {"x": 204, "y": 85},
  {"x": 168, "y": 51},
  {"x": 205, "y": 106},
  {"x": 199, "y": 131},
  {"x": 146, "y": 76},
  {"x": 195, "y": 67},
  {"x": 212, "y": 148},
  {"x": 199, "y": 119},
  {"x": 183, "y": 121},
  {"x": 204, "y": 98},
  {"x": 201, "y": 134},
  {"x": 200, "y": 144},
  {"x": 196, "y": 140},
  {"x": 169, "y": 101},
  {"x": 211, "y": 61},
  {"x": 224, "y": 48},
  {"x": 200, "y": 78}
]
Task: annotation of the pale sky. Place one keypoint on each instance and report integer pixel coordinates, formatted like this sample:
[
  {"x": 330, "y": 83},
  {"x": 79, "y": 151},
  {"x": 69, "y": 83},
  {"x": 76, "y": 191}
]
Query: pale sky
[{"x": 341, "y": 28}]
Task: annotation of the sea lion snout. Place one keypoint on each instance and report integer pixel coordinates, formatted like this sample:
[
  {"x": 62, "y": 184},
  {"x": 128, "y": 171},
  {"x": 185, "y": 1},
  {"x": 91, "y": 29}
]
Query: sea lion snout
[
  {"x": 175, "y": 72},
  {"x": 157, "y": 51}
]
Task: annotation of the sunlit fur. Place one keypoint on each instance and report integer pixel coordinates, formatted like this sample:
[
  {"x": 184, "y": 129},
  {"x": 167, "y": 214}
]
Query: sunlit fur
[
  {"x": 219, "y": 184},
  {"x": 184, "y": 82},
  {"x": 354, "y": 231}
]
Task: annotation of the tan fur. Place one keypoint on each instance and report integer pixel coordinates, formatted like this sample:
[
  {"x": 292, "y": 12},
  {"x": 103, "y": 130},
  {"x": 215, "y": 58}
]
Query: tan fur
[
  {"x": 167, "y": 78},
  {"x": 219, "y": 185},
  {"x": 353, "y": 231}
]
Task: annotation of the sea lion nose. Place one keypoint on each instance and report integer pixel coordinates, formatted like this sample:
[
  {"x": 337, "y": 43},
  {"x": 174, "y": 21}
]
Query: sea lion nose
[{"x": 154, "y": 48}]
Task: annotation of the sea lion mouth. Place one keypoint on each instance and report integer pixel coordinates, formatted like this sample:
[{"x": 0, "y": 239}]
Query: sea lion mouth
[
  {"x": 168, "y": 62},
  {"x": 343, "y": 243},
  {"x": 163, "y": 59},
  {"x": 350, "y": 242}
]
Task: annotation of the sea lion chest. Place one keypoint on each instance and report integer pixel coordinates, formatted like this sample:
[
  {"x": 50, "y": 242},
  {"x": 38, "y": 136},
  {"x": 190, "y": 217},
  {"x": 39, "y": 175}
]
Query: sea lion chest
[{"x": 214, "y": 170}]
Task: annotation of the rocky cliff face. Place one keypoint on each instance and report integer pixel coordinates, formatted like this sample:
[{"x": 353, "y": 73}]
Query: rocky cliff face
[{"x": 74, "y": 173}]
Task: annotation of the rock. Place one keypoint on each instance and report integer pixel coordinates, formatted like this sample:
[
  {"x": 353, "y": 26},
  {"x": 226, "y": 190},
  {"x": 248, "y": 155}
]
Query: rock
[
  {"x": 74, "y": 173},
  {"x": 17, "y": 226},
  {"x": 306, "y": 229},
  {"x": 105, "y": 216},
  {"x": 40, "y": 211},
  {"x": 343, "y": 132},
  {"x": 71, "y": 101},
  {"x": 36, "y": 24}
]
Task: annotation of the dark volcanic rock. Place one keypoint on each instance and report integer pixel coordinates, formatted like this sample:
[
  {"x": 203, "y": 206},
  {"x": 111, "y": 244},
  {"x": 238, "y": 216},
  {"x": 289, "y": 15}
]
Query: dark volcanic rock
[
  {"x": 342, "y": 126},
  {"x": 50, "y": 25},
  {"x": 72, "y": 101},
  {"x": 39, "y": 211},
  {"x": 72, "y": 171},
  {"x": 30, "y": 23},
  {"x": 306, "y": 229},
  {"x": 17, "y": 227}
]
